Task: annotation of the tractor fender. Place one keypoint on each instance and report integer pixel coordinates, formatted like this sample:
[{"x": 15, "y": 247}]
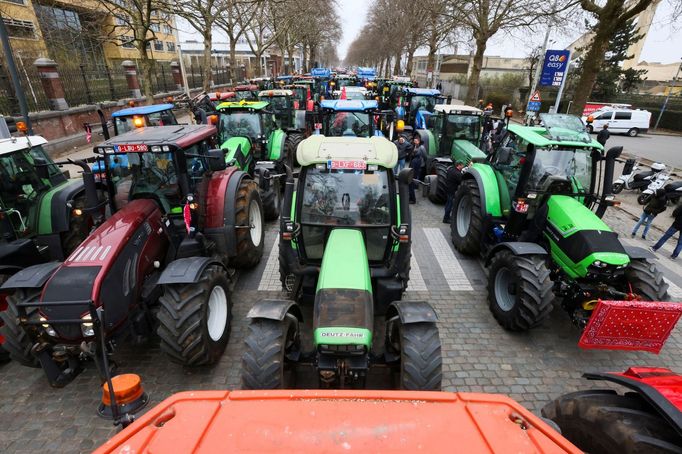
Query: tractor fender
[
  {"x": 275, "y": 310},
  {"x": 59, "y": 213},
  {"x": 412, "y": 312},
  {"x": 427, "y": 140},
  {"x": 636, "y": 252},
  {"x": 9, "y": 269},
  {"x": 32, "y": 277},
  {"x": 276, "y": 145},
  {"x": 516, "y": 248},
  {"x": 187, "y": 270},
  {"x": 487, "y": 185}
]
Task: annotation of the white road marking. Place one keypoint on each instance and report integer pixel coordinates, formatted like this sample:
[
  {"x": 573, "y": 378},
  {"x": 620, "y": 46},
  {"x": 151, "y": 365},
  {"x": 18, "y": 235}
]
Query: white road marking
[
  {"x": 416, "y": 282},
  {"x": 449, "y": 265},
  {"x": 269, "y": 281}
]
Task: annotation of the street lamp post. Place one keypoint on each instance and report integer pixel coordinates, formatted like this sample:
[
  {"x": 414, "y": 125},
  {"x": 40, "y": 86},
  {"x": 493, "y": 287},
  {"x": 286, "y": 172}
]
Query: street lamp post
[{"x": 665, "y": 103}]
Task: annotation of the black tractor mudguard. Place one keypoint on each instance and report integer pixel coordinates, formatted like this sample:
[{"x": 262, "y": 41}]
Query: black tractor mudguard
[
  {"x": 32, "y": 277},
  {"x": 517, "y": 248},
  {"x": 61, "y": 213},
  {"x": 186, "y": 270},
  {"x": 275, "y": 310},
  {"x": 636, "y": 252},
  {"x": 412, "y": 312}
]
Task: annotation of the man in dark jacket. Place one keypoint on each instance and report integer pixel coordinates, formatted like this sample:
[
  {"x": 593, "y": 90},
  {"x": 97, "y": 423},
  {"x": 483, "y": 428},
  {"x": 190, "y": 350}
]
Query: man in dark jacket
[
  {"x": 404, "y": 148},
  {"x": 453, "y": 177},
  {"x": 674, "y": 228},
  {"x": 603, "y": 135},
  {"x": 656, "y": 206},
  {"x": 417, "y": 161}
]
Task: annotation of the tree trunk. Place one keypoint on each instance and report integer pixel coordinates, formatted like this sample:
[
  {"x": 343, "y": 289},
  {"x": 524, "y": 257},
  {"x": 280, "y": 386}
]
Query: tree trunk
[
  {"x": 146, "y": 66},
  {"x": 259, "y": 64},
  {"x": 233, "y": 59},
  {"x": 591, "y": 66},
  {"x": 396, "y": 67},
  {"x": 431, "y": 59},
  {"x": 410, "y": 59},
  {"x": 207, "y": 75},
  {"x": 472, "y": 84},
  {"x": 313, "y": 56}
]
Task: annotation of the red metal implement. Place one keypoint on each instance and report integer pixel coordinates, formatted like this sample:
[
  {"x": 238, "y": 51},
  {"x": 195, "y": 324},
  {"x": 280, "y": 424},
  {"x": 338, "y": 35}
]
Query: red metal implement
[{"x": 630, "y": 325}]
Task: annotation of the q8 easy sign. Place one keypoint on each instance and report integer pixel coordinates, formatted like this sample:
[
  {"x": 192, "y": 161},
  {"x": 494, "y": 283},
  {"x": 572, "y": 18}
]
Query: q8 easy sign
[{"x": 554, "y": 67}]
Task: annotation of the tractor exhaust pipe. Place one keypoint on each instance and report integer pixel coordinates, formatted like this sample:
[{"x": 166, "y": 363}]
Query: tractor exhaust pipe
[
  {"x": 103, "y": 121},
  {"x": 610, "y": 163}
]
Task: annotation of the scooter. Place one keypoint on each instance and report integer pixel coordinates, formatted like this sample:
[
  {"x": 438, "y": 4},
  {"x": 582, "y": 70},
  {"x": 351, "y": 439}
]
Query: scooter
[
  {"x": 631, "y": 179},
  {"x": 672, "y": 191}
]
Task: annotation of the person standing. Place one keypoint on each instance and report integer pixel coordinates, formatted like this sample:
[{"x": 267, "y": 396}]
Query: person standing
[
  {"x": 453, "y": 177},
  {"x": 603, "y": 135},
  {"x": 656, "y": 206},
  {"x": 403, "y": 151},
  {"x": 674, "y": 228},
  {"x": 417, "y": 161}
]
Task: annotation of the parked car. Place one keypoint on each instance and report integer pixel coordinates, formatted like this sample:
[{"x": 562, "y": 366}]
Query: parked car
[{"x": 623, "y": 121}]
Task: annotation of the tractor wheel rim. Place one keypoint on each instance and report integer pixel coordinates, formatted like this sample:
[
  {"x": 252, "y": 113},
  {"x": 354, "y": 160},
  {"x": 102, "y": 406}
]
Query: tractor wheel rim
[
  {"x": 463, "y": 216},
  {"x": 217, "y": 313},
  {"x": 256, "y": 223},
  {"x": 503, "y": 279}
]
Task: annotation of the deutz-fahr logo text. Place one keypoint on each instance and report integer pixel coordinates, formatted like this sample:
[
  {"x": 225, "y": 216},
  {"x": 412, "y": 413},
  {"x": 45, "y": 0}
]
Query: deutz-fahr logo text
[{"x": 358, "y": 335}]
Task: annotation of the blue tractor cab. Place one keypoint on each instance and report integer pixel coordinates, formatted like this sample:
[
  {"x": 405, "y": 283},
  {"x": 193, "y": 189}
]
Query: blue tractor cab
[
  {"x": 416, "y": 105},
  {"x": 125, "y": 120},
  {"x": 346, "y": 118}
]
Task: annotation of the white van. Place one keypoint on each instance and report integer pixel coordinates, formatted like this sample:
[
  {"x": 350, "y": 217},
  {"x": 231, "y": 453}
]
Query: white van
[{"x": 623, "y": 121}]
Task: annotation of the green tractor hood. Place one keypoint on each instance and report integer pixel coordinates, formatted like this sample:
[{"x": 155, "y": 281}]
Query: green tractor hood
[
  {"x": 465, "y": 151},
  {"x": 343, "y": 313},
  {"x": 579, "y": 241},
  {"x": 238, "y": 152}
]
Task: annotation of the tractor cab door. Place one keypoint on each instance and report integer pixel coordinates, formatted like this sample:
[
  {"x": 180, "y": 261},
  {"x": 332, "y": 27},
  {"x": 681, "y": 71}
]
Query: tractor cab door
[{"x": 508, "y": 160}]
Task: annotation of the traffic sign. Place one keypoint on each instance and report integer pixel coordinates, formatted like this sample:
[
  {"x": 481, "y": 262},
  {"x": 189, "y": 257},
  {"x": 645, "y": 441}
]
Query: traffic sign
[
  {"x": 533, "y": 106},
  {"x": 554, "y": 67},
  {"x": 536, "y": 96}
]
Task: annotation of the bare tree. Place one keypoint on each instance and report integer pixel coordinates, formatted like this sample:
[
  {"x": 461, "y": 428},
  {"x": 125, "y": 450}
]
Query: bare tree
[{"x": 232, "y": 14}]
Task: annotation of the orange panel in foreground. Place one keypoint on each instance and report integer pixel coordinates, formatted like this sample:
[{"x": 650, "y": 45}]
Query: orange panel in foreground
[{"x": 337, "y": 421}]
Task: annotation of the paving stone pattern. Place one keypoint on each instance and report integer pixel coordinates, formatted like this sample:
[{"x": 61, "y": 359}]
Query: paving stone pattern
[{"x": 478, "y": 355}]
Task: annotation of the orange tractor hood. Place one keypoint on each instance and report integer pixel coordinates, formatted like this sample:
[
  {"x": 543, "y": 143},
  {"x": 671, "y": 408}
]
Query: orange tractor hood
[{"x": 317, "y": 421}]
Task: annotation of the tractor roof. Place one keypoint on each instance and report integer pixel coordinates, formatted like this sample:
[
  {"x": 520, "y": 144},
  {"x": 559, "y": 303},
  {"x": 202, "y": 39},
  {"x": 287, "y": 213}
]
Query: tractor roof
[
  {"x": 245, "y": 88},
  {"x": 538, "y": 136},
  {"x": 373, "y": 150},
  {"x": 181, "y": 136},
  {"x": 349, "y": 105},
  {"x": 220, "y": 95},
  {"x": 13, "y": 144},
  {"x": 243, "y": 105},
  {"x": 458, "y": 109},
  {"x": 273, "y": 93},
  {"x": 142, "y": 110},
  {"x": 423, "y": 91}
]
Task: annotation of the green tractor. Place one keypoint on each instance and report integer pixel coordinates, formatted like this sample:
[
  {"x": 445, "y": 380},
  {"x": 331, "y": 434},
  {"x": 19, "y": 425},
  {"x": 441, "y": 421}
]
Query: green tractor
[
  {"x": 528, "y": 211},
  {"x": 289, "y": 112},
  {"x": 345, "y": 239},
  {"x": 453, "y": 135},
  {"x": 255, "y": 144}
]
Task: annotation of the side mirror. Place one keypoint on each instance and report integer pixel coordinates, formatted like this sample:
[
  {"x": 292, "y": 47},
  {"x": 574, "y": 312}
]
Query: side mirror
[
  {"x": 216, "y": 160},
  {"x": 41, "y": 168},
  {"x": 613, "y": 153},
  {"x": 405, "y": 176},
  {"x": 503, "y": 155}
]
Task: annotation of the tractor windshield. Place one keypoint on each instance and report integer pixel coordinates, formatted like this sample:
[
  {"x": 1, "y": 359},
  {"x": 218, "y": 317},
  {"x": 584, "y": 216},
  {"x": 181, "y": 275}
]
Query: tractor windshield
[
  {"x": 346, "y": 198},
  {"x": 239, "y": 124},
  {"x": 277, "y": 103},
  {"x": 345, "y": 83},
  {"x": 467, "y": 127},
  {"x": 572, "y": 165},
  {"x": 418, "y": 102},
  {"x": 246, "y": 95},
  {"x": 348, "y": 124}
]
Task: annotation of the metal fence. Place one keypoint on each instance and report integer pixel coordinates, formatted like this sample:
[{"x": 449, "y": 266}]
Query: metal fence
[
  {"x": 83, "y": 85},
  {"x": 31, "y": 86}
]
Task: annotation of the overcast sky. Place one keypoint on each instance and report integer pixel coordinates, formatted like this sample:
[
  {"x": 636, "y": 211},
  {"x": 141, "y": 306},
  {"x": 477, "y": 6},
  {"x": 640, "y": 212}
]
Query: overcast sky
[{"x": 664, "y": 43}]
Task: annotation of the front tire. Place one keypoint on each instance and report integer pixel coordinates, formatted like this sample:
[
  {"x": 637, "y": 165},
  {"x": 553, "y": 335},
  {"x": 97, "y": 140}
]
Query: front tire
[
  {"x": 16, "y": 342},
  {"x": 646, "y": 281},
  {"x": 466, "y": 222},
  {"x": 419, "y": 348},
  {"x": 272, "y": 201},
  {"x": 248, "y": 212},
  {"x": 617, "y": 188},
  {"x": 266, "y": 362},
  {"x": 602, "y": 421},
  {"x": 441, "y": 193},
  {"x": 194, "y": 319},
  {"x": 519, "y": 290}
]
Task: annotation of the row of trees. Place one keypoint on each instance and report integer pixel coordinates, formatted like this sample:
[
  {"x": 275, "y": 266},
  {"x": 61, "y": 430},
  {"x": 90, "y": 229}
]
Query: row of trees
[
  {"x": 397, "y": 28},
  {"x": 310, "y": 26}
]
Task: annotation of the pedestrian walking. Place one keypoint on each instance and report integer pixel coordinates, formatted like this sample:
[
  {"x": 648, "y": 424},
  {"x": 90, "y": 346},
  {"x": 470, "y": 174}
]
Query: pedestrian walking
[
  {"x": 417, "y": 161},
  {"x": 453, "y": 177},
  {"x": 404, "y": 148},
  {"x": 674, "y": 228},
  {"x": 656, "y": 206},
  {"x": 439, "y": 86},
  {"x": 603, "y": 135}
]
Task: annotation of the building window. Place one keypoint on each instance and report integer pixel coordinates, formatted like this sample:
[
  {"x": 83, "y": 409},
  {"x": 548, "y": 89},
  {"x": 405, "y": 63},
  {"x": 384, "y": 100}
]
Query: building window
[
  {"x": 19, "y": 28},
  {"x": 167, "y": 29},
  {"x": 155, "y": 27},
  {"x": 18, "y": 2},
  {"x": 127, "y": 42},
  {"x": 170, "y": 47},
  {"x": 158, "y": 45}
]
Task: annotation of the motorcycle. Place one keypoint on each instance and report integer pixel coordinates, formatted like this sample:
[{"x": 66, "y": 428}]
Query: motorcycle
[
  {"x": 672, "y": 191},
  {"x": 631, "y": 179}
]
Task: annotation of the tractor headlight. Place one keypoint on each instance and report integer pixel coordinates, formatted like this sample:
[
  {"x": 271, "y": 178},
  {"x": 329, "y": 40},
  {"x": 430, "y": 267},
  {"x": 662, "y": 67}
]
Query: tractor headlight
[
  {"x": 600, "y": 264},
  {"x": 48, "y": 328},
  {"x": 87, "y": 327}
]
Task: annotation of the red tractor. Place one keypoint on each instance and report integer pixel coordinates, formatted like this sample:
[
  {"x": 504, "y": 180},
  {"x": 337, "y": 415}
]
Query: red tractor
[{"x": 163, "y": 261}]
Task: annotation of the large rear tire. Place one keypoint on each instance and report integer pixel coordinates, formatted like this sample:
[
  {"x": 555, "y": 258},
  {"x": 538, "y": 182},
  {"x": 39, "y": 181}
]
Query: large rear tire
[
  {"x": 441, "y": 193},
  {"x": 466, "y": 222},
  {"x": 646, "y": 280},
  {"x": 419, "y": 348},
  {"x": 16, "y": 342},
  {"x": 519, "y": 290},
  {"x": 291, "y": 145},
  {"x": 602, "y": 421},
  {"x": 272, "y": 201},
  {"x": 194, "y": 319},
  {"x": 265, "y": 362},
  {"x": 248, "y": 212}
]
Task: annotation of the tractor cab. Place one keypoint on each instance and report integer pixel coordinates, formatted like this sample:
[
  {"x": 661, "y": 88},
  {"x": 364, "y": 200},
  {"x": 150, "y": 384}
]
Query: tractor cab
[
  {"x": 219, "y": 97},
  {"x": 347, "y": 118},
  {"x": 340, "y": 81},
  {"x": 299, "y": 93},
  {"x": 283, "y": 104},
  {"x": 141, "y": 116},
  {"x": 344, "y": 245},
  {"x": 392, "y": 89},
  {"x": 246, "y": 92},
  {"x": 263, "y": 83},
  {"x": 416, "y": 105}
]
